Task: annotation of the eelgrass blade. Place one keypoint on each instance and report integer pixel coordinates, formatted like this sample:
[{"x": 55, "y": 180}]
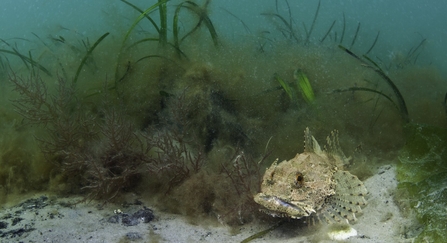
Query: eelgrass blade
[
  {"x": 145, "y": 15},
  {"x": 143, "y": 40},
  {"x": 373, "y": 62},
  {"x": 22, "y": 57},
  {"x": 212, "y": 30},
  {"x": 132, "y": 27},
  {"x": 313, "y": 23},
  {"x": 400, "y": 99},
  {"x": 179, "y": 51},
  {"x": 328, "y": 31},
  {"x": 343, "y": 30},
  {"x": 159, "y": 56},
  {"x": 149, "y": 56},
  {"x": 264, "y": 232},
  {"x": 353, "y": 89},
  {"x": 87, "y": 55},
  {"x": 139, "y": 18},
  {"x": 351, "y": 53},
  {"x": 203, "y": 18},
  {"x": 414, "y": 50},
  {"x": 17, "y": 53},
  {"x": 417, "y": 47},
  {"x": 163, "y": 34},
  {"x": 355, "y": 36},
  {"x": 445, "y": 103},
  {"x": 27, "y": 59},
  {"x": 240, "y": 20},
  {"x": 33, "y": 71},
  {"x": 374, "y": 43},
  {"x": 290, "y": 18},
  {"x": 289, "y": 27},
  {"x": 2, "y": 64},
  {"x": 175, "y": 27}
]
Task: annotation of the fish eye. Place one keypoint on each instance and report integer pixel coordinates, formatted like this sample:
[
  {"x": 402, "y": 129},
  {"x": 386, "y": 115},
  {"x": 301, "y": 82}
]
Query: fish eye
[{"x": 299, "y": 179}]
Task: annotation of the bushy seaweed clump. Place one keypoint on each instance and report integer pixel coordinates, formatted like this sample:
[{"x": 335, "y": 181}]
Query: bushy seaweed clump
[
  {"x": 93, "y": 150},
  {"x": 99, "y": 151}
]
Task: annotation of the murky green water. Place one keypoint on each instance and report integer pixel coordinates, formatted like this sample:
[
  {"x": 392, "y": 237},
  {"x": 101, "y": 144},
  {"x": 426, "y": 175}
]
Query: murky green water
[{"x": 162, "y": 99}]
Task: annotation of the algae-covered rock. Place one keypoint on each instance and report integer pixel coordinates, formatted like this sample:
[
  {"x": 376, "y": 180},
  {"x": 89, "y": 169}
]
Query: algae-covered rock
[{"x": 422, "y": 173}]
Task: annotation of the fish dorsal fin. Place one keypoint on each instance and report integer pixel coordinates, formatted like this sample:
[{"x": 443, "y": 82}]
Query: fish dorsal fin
[
  {"x": 333, "y": 148},
  {"x": 310, "y": 143},
  {"x": 332, "y": 143}
]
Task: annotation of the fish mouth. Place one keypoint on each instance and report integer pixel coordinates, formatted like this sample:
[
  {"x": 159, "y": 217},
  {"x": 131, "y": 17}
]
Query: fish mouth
[{"x": 284, "y": 208}]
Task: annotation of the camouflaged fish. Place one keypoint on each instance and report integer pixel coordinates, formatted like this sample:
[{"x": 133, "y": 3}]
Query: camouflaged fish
[{"x": 313, "y": 184}]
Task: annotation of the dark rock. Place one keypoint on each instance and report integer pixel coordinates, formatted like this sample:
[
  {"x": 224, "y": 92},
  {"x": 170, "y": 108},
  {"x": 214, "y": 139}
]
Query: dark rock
[
  {"x": 146, "y": 215},
  {"x": 133, "y": 236},
  {"x": 16, "y": 221},
  {"x": 114, "y": 219},
  {"x": 3, "y": 225},
  {"x": 40, "y": 202},
  {"x": 7, "y": 216},
  {"x": 130, "y": 220},
  {"x": 16, "y": 232},
  {"x": 143, "y": 215}
]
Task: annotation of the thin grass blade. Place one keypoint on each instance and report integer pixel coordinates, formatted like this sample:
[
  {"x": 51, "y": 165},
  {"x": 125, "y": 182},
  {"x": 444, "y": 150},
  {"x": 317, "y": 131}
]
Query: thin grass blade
[
  {"x": 87, "y": 55},
  {"x": 145, "y": 15}
]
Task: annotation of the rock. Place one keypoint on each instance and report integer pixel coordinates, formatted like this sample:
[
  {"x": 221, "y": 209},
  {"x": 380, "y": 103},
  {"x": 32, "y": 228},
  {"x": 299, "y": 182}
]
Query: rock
[{"x": 133, "y": 236}]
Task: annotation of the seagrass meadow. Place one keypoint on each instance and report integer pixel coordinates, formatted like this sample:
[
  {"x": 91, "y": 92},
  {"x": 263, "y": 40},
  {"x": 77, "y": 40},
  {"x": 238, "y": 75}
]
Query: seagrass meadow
[{"x": 186, "y": 103}]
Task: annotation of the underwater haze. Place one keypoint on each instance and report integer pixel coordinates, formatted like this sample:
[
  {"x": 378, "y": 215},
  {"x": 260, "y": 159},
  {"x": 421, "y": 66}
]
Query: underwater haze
[
  {"x": 164, "y": 98},
  {"x": 401, "y": 23}
]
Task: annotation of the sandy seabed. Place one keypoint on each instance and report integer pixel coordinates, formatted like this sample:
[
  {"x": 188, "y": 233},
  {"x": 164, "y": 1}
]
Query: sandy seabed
[{"x": 45, "y": 219}]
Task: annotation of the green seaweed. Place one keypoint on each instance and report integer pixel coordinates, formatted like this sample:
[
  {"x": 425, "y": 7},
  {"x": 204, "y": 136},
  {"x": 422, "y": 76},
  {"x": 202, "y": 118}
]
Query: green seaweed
[
  {"x": 422, "y": 174},
  {"x": 304, "y": 85},
  {"x": 286, "y": 87}
]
